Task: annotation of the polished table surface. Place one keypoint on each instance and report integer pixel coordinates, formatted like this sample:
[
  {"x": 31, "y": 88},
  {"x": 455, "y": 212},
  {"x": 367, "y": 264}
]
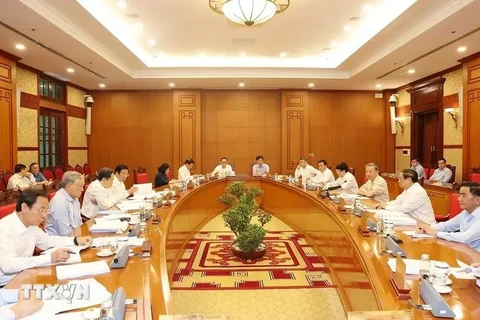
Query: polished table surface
[{"x": 356, "y": 263}]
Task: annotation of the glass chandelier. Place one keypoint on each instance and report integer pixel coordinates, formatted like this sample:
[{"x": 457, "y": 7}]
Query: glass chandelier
[{"x": 249, "y": 12}]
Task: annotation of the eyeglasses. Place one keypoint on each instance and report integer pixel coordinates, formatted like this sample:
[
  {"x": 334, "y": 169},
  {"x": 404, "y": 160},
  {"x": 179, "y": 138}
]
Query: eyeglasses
[{"x": 43, "y": 211}]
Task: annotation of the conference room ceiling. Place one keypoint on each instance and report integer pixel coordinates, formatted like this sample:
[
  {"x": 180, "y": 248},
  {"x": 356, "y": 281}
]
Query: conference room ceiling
[{"x": 152, "y": 44}]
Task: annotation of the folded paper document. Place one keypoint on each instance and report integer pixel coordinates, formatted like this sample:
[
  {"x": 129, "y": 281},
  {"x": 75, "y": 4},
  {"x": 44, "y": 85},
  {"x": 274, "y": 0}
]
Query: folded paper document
[
  {"x": 415, "y": 234},
  {"x": 82, "y": 270}
]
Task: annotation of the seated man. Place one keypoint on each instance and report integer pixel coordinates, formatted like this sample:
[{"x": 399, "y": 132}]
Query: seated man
[
  {"x": 36, "y": 175},
  {"x": 465, "y": 227},
  {"x": 442, "y": 174},
  {"x": 304, "y": 170},
  {"x": 21, "y": 178},
  {"x": 260, "y": 168},
  {"x": 324, "y": 175},
  {"x": 413, "y": 201},
  {"x": 418, "y": 168},
  {"x": 223, "y": 167},
  {"x": 20, "y": 234},
  {"x": 65, "y": 214},
  {"x": 346, "y": 181},
  {"x": 99, "y": 195},
  {"x": 376, "y": 187},
  {"x": 21, "y": 309},
  {"x": 118, "y": 188},
  {"x": 184, "y": 171}
]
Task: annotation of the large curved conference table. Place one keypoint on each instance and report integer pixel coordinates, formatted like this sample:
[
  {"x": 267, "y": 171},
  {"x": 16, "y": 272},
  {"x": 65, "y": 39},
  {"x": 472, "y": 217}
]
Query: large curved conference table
[{"x": 356, "y": 263}]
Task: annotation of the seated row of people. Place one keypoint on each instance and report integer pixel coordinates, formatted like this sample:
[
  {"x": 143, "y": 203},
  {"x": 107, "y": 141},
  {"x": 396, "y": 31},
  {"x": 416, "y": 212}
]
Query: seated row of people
[
  {"x": 442, "y": 174},
  {"x": 22, "y": 178}
]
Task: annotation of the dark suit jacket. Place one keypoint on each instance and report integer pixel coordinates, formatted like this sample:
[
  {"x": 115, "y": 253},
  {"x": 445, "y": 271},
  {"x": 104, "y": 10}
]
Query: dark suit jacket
[{"x": 161, "y": 179}]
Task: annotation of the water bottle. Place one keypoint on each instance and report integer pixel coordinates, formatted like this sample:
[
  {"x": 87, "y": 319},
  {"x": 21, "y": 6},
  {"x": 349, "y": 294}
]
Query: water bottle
[{"x": 424, "y": 265}]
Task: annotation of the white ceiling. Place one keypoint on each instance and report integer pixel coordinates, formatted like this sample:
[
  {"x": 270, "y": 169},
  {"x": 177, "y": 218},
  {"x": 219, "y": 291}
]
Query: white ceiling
[{"x": 107, "y": 40}]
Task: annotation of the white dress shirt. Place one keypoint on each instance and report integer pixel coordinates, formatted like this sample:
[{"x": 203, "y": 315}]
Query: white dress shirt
[
  {"x": 18, "y": 181},
  {"x": 347, "y": 183},
  {"x": 307, "y": 172},
  {"x": 442, "y": 175},
  {"x": 7, "y": 296},
  {"x": 119, "y": 190},
  {"x": 184, "y": 173},
  {"x": 463, "y": 228},
  {"x": 17, "y": 244},
  {"x": 376, "y": 189},
  {"x": 324, "y": 177},
  {"x": 96, "y": 199},
  {"x": 420, "y": 171},
  {"x": 65, "y": 214},
  {"x": 414, "y": 201},
  {"x": 257, "y": 170},
  {"x": 221, "y": 170}
]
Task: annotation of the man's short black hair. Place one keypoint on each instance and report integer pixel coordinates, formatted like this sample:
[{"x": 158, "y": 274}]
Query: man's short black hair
[{"x": 29, "y": 197}]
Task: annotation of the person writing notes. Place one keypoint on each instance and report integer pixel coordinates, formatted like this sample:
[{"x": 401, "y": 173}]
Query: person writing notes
[
  {"x": 21, "y": 178},
  {"x": 442, "y": 174},
  {"x": 184, "y": 171},
  {"x": 223, "y": 168},
  {"x": 20, "y": 234},
  {"x": 346, "y": 181},
  {"x": 260, "y": 168},
  {"x": 118, "y": 187},
  {"x": 376, "y": 187},
  {"x": 465, "y": 227},
  {"x": 324, "y": 175},
  {"x": 304, "y": 170},
  {"x": 99, "y": 196},
  {"x": 415, "y": 165},
  {"x": 21, "y": 309},
  {"x": 413, "y": 201}
]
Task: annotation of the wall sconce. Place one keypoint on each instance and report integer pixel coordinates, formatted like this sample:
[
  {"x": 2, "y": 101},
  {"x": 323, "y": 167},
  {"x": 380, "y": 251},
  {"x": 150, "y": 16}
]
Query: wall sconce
[
  {"x": 88, "y": 121},
  {"x": 452, "y": 112},
  {"x": 399, "y": 121}
]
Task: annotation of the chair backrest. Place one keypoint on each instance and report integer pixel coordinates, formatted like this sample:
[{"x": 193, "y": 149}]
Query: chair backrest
[
  {"x": 429, "y": 172},
  {"x": 365, "y": 179},
  {"x": 6, "y": 177},
  {"x": 79, "y": 168},
  {"x": 2, "y": 183},
  {"x": 454, "y": 209},
  {"x": 48, "y": 174},
  {"x": 50, "y": 195},
  {"x": 86, "y": 169},
  {"x": 140, "y": 175},
  {"x": 475, "y": 177},
  {"x": 474, "y": 174},
  {"x": 454, "y": 170},
  {"x": 58, "y": 171},
  {"x": 69, "y": 168},
  {"x": 233, "y": 167},
  {"x": 7, "y": 209},
  {"x": 351, "y": 170}
]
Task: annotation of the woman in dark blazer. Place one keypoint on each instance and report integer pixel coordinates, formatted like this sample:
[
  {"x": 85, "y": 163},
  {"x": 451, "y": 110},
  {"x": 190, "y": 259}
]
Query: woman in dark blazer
[{"x": 161, "y": 178}]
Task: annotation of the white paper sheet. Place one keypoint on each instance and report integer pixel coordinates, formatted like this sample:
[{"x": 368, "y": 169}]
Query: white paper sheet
[
  {"x": 109, "y": 226},
  {"x": 415, "y": 234},
  {"x": 74, "y": 257},
  {"x": 465, "y": 271},
  {"x": 82, "y": 270},
  {"x": 130, "y": 205},
  {"x": 132, "y": 241},
  {"x": 412, "y": 266},
  {"x": 111, "y": 212}
]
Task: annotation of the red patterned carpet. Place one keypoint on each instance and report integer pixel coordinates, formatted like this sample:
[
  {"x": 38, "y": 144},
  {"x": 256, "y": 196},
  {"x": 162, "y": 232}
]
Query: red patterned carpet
[{"x": 289, "y": 262}]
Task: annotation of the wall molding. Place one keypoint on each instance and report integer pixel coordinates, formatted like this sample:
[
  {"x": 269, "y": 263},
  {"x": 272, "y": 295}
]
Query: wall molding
[
  {"x": 77, "y": 148},
  {"x": 402, "y": 147},
  {"x": 29, "y": 101},
  {"x": 76, "y": 112},
  {"x": 44, "y": 103},
  {"x": 453, "y": 146},
  {"x": 27, "y": 148}
]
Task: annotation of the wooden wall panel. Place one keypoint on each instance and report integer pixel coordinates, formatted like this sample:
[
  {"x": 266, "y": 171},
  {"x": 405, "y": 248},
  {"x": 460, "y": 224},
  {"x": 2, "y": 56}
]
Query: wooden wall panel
[
  {"x": 133, "y": 128},
  {"x": 471, "y": 115},
  {"x": 240, "y": 125},
  {"x": 186, "y": 129},
  {"x": 350, "y": 127},
  {"x": 295, "y": 128},
  {"x": 8, "y": 122}
]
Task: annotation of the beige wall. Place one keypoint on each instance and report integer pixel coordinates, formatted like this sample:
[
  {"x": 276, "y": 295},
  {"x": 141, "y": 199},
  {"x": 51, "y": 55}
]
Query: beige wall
[
  {"x": 76, "y": 132},
  {"x": 76, "y": 129},
  {"x": 27, "y": 157},
  {"x": 77, "y": 157},
  {"x": 75, "y": 97},
  {"x": 27, "y": 81},
  {"x": 27, "y": 133}
]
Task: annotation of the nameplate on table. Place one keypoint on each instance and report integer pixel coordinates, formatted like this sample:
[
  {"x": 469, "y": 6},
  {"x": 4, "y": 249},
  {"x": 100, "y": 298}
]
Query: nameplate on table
[
  {"x": 362, "y": 228},
  {"x": 380, "y": 315},
  {"x": 398, "y": 280}
]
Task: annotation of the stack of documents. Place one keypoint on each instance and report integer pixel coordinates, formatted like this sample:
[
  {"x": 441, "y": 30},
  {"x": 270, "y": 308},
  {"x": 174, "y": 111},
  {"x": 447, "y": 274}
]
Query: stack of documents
[
  {"x": 82, "y": 270},
  {"x": 132, "y": 241},
  {"x": 128, "y": 205},
  {"x": 398, "y": 218},
  {"x": 144, "y": 190},
  {"x": 110, "y": 212},
  {"x": 74, "y": 256},
  {"x": 109, "y": 226},
  {"x": 415, "y": 234}
]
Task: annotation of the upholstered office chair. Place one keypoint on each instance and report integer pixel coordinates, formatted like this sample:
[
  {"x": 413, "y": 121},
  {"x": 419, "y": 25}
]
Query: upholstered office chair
[
  {"x": 69, "y": 168},
  {"x": 7, "y": 176},
  {"x": 453, "y": 169},
  {"x": 140, "y": 175},
  {"x": 7, "y": 209},
  {"x": 453, "y": 210},
  {"x": 86, "y": 169},
  {"x": 474, "y": 174},
  {"x": 233, "y": 167},
  {"x": 48, "y": 174},
  {"x": 351, "y": 170},
  {"x": 2, "y": 183},
  {"x": 58, "y": 172},
  {"x": 79, "y": 169}
]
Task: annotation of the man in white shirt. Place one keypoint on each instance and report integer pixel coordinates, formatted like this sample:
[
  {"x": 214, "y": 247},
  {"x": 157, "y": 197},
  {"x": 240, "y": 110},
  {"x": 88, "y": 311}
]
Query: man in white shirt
[
  {"x": 376, "y": 187},
  {"x": 65, "y": 214},
  {"x": 346, "y": 181},
  {"x": 21, "y": 178},
  {"x": 304, "y": 170},
  {"x": 118, "y": 187},
  {"x": 260, "y": 168},
  {"x": 98, "y": 196},
  {"x": 415, "y": 165},
  {"x": 223, "y": 168},
  {"x": 442, "y": 174},
  {"x": 184, "y": 171},
  {"x": 465, "y": 227},
  {"x": 21, "y": 309},
  {"x": 324, "y": 175},
  {"x": 20, "y": 234},
  {"x": 413, "y": 201}
]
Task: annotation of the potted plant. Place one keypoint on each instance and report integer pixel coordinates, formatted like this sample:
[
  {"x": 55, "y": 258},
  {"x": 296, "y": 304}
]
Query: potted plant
[{"x": 242, "y": 208}]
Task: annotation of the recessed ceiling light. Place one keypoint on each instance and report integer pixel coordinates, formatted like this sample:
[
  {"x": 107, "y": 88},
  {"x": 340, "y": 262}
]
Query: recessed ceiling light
[
  {"x": 283, "y": 54},
  {"x": 20, "y": 46},
  {"x": 241, "y": 84},
  {"x": 411, "y": 71},
  {"x": 462, "y": 49},
  {"x": 171, "y": 84},
  {"x": 333, "y": 43},
  {"x": 151, "y": 42},
  {"x": 70, "y": 70},
  {"x": 101, "y": 85},
  {"x": 243, "y": 54},
  {"x": 367, "y": 7},
  {"x": 122, "y": 4},
  {"x": 347, "y": 28},
  {"x": 311, "y": 85},
  {"x": 378, "y": 85}
]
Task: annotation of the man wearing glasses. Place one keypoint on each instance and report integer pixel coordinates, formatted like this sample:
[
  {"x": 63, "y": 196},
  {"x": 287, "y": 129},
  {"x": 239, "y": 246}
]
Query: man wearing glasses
[
  {"x": 465, "y": 227},
  {"x": 20, "y": 235},
  {"x": 413, "y": 201},
  {"x": 118, "y": 188}
]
